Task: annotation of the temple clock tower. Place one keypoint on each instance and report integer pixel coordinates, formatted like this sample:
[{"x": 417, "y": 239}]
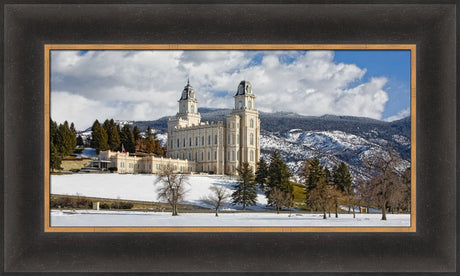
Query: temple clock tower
[
  {"x": 246, "y": 122},
  {"x": 188, "y": 106}
]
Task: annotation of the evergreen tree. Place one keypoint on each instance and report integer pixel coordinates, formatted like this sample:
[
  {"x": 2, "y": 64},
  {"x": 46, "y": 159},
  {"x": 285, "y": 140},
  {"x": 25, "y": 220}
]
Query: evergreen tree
[
  {"x": 245, "y": 191},
  {"x": 55, "y": 160},
  {"x": 72, "y": 129},
  {"x": 262, "y": 174},
  {"x": 159, "y": 149},
  {"x": 342, "y": 181},
  {"x": 312, "y": 174},
  {"x": 279, "y": 174},
  {"x": 66, "y": 140},
  {"x": 99, "y": 137},
  {"x": 136, "y": 133},
  {"x": 53, "y": 132},
  {"x": 342, "y": 177},
  {"x": 113, "y": 135},
  {"x": 127, "y": 139},
  {"x": 149, "y": 142}
]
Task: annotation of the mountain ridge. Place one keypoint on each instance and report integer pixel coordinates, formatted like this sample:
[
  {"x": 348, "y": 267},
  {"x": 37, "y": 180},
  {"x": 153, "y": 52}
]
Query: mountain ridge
[{"x": 331, "y": 138}]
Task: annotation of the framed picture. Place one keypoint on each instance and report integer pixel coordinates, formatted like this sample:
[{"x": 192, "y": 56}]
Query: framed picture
[
  {"x": 35, "y": 33},
  {"x": 340, "y": 168}
]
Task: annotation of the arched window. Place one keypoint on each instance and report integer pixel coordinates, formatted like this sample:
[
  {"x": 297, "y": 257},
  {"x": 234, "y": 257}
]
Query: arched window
[
  {"x": 251, "y": 123},
  {"x": 251, "y": 155},
  {"x": 209, "y": 139},
  {"x": 215, "y": 139},
  {"x": 196, "y": 141},
  {"x": 190, "y": 141},
  {"x": 251, "y": 139},
  {"x": 202, "y": 140}
]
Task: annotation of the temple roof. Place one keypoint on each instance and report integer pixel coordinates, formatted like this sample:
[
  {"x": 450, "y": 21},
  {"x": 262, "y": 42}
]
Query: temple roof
[
  {"x": 244, "y": 88},
  {"x": 188, "y": 93}
]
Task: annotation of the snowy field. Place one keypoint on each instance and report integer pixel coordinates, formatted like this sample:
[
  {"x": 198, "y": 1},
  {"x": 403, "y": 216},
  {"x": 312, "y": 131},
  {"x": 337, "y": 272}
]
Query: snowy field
[
  {"x": 92, "y": 218},
  {"x": 141, "y": 187}
]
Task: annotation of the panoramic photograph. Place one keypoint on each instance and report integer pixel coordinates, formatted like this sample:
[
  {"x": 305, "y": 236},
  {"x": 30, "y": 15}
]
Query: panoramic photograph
[{"x": 230, "y": 138}]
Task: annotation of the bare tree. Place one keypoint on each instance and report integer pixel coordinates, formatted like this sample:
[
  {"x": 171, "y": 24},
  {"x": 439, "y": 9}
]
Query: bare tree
[
  {"x": 217, "y": 198},
  {"x": 406, "y": 183},
  {"x": 171, "y": 187},
  {"x": 364, "y": 193},
  {"x": 279, "y": 198},
  {"x": 385, "y": 180}
]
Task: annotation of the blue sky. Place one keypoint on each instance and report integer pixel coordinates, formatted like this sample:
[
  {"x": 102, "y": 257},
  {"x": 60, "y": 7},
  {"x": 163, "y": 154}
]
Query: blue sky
[
  {"x": 394, "y": 65},
  {"x": 145, "y": 85}
]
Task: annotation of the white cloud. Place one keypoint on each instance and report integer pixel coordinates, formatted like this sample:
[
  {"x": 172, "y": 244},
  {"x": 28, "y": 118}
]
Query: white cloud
[
  {"x": 78, "y": 109},
  {"x": 401, "y": 114},
  {"x": 145, "y": 85}
]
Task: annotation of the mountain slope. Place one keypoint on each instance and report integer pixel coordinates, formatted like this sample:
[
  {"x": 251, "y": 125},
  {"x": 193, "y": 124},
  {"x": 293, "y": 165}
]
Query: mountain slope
[{"x": 333, "y": 139}]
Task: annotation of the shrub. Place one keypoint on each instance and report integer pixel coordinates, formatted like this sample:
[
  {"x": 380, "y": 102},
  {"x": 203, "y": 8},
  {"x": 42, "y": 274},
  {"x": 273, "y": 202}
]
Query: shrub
[{"x": 104, "y": 206}]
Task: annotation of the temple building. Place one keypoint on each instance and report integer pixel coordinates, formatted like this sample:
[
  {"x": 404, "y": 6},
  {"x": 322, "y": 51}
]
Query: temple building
[
  {"x": 216, "y": 147},
  {"x": 202, "y": 147}
]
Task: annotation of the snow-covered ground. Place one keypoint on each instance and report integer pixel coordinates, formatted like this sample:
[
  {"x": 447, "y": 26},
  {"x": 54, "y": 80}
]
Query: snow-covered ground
[
  {"x": 142, "y": 187},
  {"x": 92, "y": 218},
  {"x": 139, "y": 187}
]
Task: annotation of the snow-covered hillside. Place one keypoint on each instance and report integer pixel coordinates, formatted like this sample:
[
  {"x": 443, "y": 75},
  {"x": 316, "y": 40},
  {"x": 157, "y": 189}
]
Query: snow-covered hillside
[
  {"x": 330, "y": 147},
  {"x": 139, "y": 187},
  {"x": 332, "y": 139}
]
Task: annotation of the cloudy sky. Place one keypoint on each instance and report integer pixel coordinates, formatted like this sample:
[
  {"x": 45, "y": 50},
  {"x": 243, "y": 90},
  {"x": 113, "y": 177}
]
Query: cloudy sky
[{"x": 145, "y": 85}]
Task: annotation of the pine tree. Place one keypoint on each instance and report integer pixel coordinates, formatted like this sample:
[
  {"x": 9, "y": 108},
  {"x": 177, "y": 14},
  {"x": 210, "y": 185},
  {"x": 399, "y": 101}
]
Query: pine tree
[
  {"x": 66, "y": 140},
  {"x": 127, "y": 139},
  {"x": 342, "y": 181},
  {"x": 99, "y": 137},
  {"x": 55, "y": 160},
  {"x": 312, "y": 174},
  {"x": 113, "y": 135},
  {"x": 149, "y": 142},
  {"x": 279, "y": 174},
  {"x": 72, "y": 129},
  {"x": 262, "y": 174},
  {"x": 136, "y": 133},
  {"x": 342, "y": 177},
  {"x": 53, "y": 132},
  {"x": 245, "y": 191}
]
